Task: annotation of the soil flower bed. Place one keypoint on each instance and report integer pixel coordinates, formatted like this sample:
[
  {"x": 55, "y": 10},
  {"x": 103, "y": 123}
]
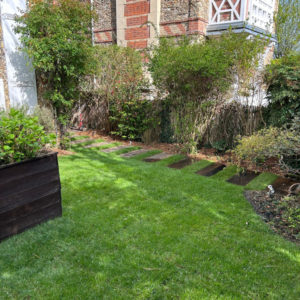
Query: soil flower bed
[{"x": 282, "y": 213}]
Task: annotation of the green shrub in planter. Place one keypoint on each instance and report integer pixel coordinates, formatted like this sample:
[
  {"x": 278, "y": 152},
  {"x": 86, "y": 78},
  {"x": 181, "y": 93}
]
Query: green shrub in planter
[{"x": 21, "y": 137}]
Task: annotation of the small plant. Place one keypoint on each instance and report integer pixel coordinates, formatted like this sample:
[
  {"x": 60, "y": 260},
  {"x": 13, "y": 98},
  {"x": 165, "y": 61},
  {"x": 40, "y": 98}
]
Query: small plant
[
  {"x": 289, "y": 208},
  {"x": 130, "y": 119},
  {"x": 283, "y": 144},
  {"x": 45, "y": 117},
  {"x": 21, "y": 137}
]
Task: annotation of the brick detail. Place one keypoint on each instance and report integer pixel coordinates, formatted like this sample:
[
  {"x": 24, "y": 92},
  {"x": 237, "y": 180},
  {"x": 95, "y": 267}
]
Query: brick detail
[
  {"x": 138, "y": 33},
  {"x": 103, "y": 37},
  {"x": 137, "y": 8},
  {"x": 135, "y": 21},
  {"x": 177, "y": 28},
  {"x": 138, "y": 44},
  {"x": 196, "y": 26}
]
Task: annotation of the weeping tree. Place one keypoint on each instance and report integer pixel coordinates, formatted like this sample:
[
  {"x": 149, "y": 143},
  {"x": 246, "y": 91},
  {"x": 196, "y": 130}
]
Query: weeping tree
[{"x": 56, "y": 36}]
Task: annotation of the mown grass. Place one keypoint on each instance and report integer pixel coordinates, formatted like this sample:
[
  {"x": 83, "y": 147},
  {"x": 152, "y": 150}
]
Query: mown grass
[{"x": 136, "y": 230}]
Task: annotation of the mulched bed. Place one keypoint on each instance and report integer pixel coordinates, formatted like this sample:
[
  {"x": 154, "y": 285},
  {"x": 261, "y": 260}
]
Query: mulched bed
[{"x": 281, "y": 214}]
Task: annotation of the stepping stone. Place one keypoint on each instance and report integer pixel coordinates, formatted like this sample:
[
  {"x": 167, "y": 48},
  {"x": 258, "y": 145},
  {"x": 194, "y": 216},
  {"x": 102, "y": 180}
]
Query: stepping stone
[
  {"x": 134, "y": 153},
  {"x": 81, "y": 141},
  {"x": 281, "y": 185},
  {"x": 182, "y": 163},
  {"x": 109, "y": 150},
  {"x": 158, "y": 157},
  {"x": 96, "y": 145},
  {"x": 211, "y": 170},
  {"x": 243, "y": 179}
]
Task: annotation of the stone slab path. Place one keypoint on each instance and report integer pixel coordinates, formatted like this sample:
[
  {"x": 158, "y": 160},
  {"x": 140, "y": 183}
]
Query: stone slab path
[
  {"x": 243, "y": 179},
  {"x": 109, "y": 150},
  {"x": 182, "y": 163},
  {"x": 81, "y": 141},
  {"x": 211, "y": 170},
  {"x": 158, "y": 157},
  {"x": 134, "y": 153},
  {"x": 97, "y": 145},
  {"x": 281, "y": 185}
]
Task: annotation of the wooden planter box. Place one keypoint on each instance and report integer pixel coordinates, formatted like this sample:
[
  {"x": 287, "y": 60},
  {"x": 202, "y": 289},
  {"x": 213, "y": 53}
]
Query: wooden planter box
[{"x": 30, "y": 193}]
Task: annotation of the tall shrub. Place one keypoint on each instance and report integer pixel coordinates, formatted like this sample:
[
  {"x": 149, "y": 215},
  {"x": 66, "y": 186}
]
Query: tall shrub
[
  {"x": 197, "y": 76},
  {"x": 56, "y": 36},
  {"x": 283, "y": 81},
  {"x": 113, "y": 97}
]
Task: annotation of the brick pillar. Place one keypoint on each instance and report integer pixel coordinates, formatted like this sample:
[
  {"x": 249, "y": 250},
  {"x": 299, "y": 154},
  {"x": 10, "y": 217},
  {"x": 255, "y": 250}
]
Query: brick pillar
[{"x": 132, "y": 27}]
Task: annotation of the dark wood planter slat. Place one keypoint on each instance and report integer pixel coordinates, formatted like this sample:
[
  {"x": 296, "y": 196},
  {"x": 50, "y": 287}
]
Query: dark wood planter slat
[
  {"x": 39, "y": 164},
  {"x": 21, "y": 211},
  {"x": 22, "y": 197},
  {"x": 31, "y": 220},
  {"x": 13, "y": 187},
  {"x": 29, "y": 194}
]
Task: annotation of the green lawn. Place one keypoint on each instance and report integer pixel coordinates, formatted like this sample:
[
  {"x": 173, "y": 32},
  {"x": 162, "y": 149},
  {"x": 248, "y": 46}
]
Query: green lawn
[{"x": 136, "y": 230}]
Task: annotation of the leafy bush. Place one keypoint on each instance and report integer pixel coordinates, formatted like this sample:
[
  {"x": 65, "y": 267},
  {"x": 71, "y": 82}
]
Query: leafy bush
[
  {"x": 56, "y": 35},
  {"x": 197, "y": 77},
  {"x": 112, "y": 102},
  {"x": 45, "y": 117},
  {"x": 283, "y": 144},
  {"x": 130, "y": 119},
  {"x": 283, "y": 80},
  {"x": 21, "y": 137}
]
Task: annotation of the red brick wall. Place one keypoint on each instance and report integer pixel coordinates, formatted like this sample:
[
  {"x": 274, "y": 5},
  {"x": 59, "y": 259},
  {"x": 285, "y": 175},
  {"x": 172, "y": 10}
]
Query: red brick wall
[
  {"x": 183, "y": 27},
  {"x": 137, "y": 21},
  {"x": 137, "y": 8},
  {"x": 137, "y": 32}
]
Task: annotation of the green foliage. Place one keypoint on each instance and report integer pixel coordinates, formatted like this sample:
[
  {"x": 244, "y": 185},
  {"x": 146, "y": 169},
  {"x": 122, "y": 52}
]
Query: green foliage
[
  {"x": 130, "y": 119},
  {"x": 45, "y": 117},
  {"x": 287, "y": 22},
  {"x": 195, "y": 77},
  {"x": 288, "y": 208},
  {"x": 283, "y": 144},
  {"x": 202, "y": 69},
  {"x": 283, "y": 80},
  {"x": 114, "y": 98},
  {"x": 21, "y": 137},
  {"x": 167, "y": 132},
  {"x": 56, "y": 36}
]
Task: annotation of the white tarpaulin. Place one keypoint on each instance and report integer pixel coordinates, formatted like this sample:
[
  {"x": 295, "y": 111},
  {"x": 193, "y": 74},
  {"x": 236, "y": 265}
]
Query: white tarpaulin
[{"x": 20, "y": 74}]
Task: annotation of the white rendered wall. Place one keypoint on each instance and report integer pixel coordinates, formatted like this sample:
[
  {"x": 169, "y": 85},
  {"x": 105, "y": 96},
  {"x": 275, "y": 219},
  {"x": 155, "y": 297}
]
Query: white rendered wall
[{"x": 20, "y": 74}]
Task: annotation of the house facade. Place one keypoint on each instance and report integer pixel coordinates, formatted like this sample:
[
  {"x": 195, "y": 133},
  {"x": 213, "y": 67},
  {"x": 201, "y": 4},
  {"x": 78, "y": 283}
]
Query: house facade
[
  {"x": 138, "y": 23},
  {"x": 132, "y": 23}
]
